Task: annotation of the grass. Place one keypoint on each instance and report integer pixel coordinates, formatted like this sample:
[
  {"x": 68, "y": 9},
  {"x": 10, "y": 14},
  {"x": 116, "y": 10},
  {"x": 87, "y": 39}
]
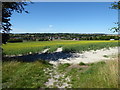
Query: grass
[
  {"x": 88, "y": 46},
  {"x": 53, "y": 48},
  {"x": 31, "y": 74},
  {"x": 62, "y": 67},
  {"x": 99, "y": 75},
  {"x": 68, "y": 46},
  {"x": 23, "y": 74}
]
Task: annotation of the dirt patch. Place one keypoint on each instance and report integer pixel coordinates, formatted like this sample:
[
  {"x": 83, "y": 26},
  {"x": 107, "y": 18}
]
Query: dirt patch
[
  {"x": 59, "y": 50},
  {"x": 78, "y": 66},
  {"x": 57, "y": 80},
  {"x": 90, "y": 57}
]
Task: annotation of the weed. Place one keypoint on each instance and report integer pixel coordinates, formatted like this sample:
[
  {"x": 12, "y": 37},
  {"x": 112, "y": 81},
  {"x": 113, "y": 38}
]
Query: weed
[
  {"x": 81, "y": 63},
  {"x": 106, "y": 56}
]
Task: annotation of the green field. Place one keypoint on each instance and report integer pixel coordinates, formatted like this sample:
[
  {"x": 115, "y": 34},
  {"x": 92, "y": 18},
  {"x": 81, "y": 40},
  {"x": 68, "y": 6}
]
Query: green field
[
  {"x": 32, "y": 75},
  {"x": 95, "y": 75},
  {"x": 18, "y": 74},
  {"x": 24, "y": 74},
  {"x": 68, "y": 46}
]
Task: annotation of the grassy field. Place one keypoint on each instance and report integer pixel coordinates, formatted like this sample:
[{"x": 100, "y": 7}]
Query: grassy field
[
  {"x": 68, "y": 46},
  {"x": 32, "y": 75},
  {"x": 95, "y": 75},
  {"x": 18, "y": 74},
  {"x": 24, "y": 75}
]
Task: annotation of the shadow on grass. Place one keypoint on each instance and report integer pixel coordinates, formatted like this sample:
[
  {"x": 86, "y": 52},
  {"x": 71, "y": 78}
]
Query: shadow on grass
[{"x": 44, "y": 56}]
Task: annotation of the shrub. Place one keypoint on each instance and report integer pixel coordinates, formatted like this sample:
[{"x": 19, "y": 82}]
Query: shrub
[
  {"x": 105, "y": 56},
  {"x": 81, "y": 63}
]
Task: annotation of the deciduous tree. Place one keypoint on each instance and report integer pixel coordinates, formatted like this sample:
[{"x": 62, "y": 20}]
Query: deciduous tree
[
  {"x": 8, "y": 8},
  {"x": 116, "y": 5}
]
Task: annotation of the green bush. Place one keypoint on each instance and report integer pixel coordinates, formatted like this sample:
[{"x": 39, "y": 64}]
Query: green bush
[{"x": 81, "y": 63}]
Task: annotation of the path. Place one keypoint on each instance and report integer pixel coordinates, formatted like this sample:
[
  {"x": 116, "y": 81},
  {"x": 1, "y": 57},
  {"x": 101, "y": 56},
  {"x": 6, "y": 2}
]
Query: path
[
  {"x": 57, "y": 80},
  {"x": 89, "y": 56}
]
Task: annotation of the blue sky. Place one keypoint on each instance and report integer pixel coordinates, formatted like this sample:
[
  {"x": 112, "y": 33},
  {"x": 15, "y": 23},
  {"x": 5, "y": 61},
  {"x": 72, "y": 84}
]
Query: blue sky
[{"x": 65, "y": 17}]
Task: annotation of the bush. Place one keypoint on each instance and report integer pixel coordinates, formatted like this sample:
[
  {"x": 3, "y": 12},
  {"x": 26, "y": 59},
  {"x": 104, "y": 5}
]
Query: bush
[
  {"x": 15, "y": 40},
  {"x": 105, "y": 56},
  {"x": 81, "y": 63}
]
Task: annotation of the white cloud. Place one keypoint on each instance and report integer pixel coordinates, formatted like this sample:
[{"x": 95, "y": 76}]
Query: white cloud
[{"x": 50, "y": 26}]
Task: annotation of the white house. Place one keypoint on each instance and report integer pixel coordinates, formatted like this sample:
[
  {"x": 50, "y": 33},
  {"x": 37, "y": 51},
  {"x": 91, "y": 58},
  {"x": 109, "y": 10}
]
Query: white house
[{"x": 112, "y": 39}]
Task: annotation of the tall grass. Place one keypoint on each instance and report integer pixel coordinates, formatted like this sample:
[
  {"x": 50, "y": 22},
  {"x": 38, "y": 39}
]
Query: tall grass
[
  {"x": 24, "y": 75},
  {"x": 32, "y": 75},
  {"x": 88, "y": 46},
  {"x": 99, "y": 75},
  {"x": 54, "y": 48}
]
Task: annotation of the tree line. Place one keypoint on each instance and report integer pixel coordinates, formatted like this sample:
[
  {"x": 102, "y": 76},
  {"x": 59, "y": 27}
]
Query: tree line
[{"x": 59, "y": 36}]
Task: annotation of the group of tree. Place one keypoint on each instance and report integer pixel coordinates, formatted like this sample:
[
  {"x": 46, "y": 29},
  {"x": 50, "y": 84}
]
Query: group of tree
[{"x": 60, "y": 36}]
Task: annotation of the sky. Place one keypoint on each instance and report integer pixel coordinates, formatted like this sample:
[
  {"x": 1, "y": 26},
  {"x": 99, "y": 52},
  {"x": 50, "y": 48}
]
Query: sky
[{"x": 65, "y": 17}]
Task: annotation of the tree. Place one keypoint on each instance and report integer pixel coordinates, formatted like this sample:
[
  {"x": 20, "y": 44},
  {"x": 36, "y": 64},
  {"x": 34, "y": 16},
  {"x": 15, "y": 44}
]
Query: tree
[
  {"x": 7, "y": 10},
  {"x": 116, "y": 5}
]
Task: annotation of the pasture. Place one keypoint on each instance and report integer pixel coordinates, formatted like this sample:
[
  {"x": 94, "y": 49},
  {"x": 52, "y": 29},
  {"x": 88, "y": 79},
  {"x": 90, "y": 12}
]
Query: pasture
[
  {"x": 42, "y": 74},
  {"x": 68, "y": 46},
  {"x": 33, "y": 75}
]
